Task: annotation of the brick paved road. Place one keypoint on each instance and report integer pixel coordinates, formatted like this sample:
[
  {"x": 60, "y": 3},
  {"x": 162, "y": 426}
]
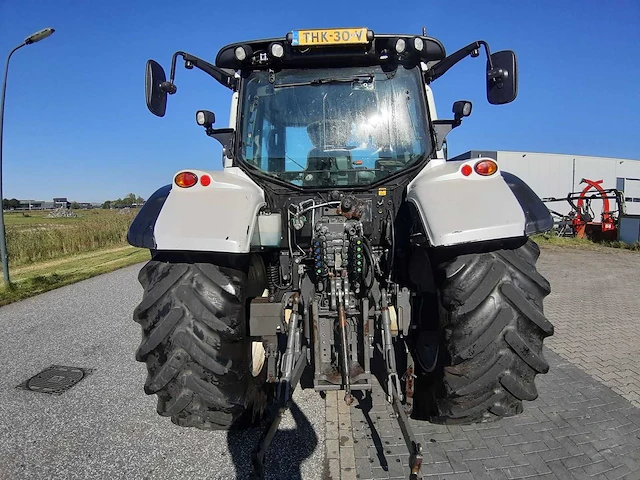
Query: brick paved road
[
  {"x": 585, "y": 423},
  {"x": 595, "y": 308}
]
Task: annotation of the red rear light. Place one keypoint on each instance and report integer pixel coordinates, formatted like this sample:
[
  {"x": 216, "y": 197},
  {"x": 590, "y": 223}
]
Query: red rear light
[
  {"x": 466, "y": 170},
  {"x": 486, "y": 167},
  {"x": 205, "y": 180},
  {"x": 186, "y": 179}
]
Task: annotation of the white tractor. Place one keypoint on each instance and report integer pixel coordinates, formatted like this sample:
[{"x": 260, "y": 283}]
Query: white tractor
[{"x": 338, "y": 238}]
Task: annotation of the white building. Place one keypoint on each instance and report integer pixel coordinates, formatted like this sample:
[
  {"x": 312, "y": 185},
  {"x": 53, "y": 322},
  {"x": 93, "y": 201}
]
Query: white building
[{"x": 556, "y": 175}]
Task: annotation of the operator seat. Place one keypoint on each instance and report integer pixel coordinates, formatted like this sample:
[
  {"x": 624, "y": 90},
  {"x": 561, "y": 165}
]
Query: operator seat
[{"x": 329, "y": 161}]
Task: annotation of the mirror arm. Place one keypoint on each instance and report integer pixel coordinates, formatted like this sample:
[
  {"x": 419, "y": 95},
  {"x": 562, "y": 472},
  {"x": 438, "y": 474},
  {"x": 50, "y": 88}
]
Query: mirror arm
[
  {"x": 225, "y": 137},
  {"x": 444, "y": 65},
  {"x": 442, "y": 128},
  {"x": 225, "y": 77},
  {"x": 487, "y": 51},
  {"x": 172, "y": 76}
]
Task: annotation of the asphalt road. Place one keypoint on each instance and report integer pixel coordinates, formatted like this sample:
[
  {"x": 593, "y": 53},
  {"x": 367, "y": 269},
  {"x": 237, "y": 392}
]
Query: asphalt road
[{"x": 105, "y": 426}]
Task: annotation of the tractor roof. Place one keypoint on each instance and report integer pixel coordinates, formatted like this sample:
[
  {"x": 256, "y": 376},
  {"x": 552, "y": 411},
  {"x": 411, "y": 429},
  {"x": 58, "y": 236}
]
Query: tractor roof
[{"x": 340, "y": 47}]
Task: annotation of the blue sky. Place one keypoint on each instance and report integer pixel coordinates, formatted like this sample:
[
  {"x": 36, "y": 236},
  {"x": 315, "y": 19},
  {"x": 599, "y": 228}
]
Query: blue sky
[{"x": 76, "y": 124}]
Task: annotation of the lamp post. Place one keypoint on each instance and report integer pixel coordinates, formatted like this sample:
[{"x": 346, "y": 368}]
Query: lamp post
[{"x": 36, "y": 37}]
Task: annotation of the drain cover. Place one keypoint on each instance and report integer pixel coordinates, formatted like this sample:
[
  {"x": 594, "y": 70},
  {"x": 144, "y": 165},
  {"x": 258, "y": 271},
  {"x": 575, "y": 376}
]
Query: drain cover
[{"x": 56, "y": 379}]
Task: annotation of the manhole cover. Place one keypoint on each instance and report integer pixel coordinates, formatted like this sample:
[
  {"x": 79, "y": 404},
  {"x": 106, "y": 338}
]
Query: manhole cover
[{"x": 56, "y": 379}]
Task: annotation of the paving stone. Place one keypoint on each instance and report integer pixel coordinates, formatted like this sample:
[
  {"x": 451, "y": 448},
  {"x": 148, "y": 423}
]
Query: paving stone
[
  {"x": 345, "y": 440},
  {"x": 331, "y": 430},
  {"x": 579, "y": 474},
  {"x": 333, "y": 448},
  {"x": 555, "y": 454},
  {"x": 457, "y": 463},
  {"x": 497, "y": 475},
  {"x": 363, "y": 469},
  {"x": 348, "y": 473},
  {"x": 598, "y": 468},
  {"x": 361, "y": 450},
  {"x": 538, "y": 463},
  {"x": 347, "y": 457},
  {"x": 334, "y": 468},
  {"x": 533, "y": 447},
  {"x": 617, "y": 472},
  {"x": 519, "y": 472},
  {"x": 576, "y": 461},
  {"x": 379, "y": 473}
]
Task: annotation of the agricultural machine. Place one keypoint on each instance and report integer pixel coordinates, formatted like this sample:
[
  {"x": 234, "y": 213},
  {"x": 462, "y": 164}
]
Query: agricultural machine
[
  {"x": 581, "y": 221},
  {"x": 338, "y": 242}
]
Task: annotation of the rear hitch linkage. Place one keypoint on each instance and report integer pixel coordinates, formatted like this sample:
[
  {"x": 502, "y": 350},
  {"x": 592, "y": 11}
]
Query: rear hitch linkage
[
  {"x": 394, "y": 393},
  {"x": 294, "y": 361}
]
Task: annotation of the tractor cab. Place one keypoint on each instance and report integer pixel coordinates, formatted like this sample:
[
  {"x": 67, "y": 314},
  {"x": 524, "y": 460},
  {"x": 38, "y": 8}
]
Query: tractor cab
[{"x": 326, "y": 108}]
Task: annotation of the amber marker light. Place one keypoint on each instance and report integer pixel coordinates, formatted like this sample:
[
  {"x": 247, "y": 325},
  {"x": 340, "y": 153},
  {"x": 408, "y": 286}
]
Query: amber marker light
[
  {"x": 486, "y": 167},
  {"x": 186, "y": 179}
]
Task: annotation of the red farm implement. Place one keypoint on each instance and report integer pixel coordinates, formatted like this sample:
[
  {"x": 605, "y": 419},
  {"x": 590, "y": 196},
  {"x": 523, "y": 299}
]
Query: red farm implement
[{"x": 581, "y": 220}]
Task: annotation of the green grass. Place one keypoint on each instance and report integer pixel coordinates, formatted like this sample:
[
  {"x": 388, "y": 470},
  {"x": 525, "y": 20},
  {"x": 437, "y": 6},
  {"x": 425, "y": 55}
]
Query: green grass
[
  {"x": 40, "y": 277},
  {"x": 32, "y": 237},
  {"x": 583, "y": 243},
  {"x": 47, "y": 253}
]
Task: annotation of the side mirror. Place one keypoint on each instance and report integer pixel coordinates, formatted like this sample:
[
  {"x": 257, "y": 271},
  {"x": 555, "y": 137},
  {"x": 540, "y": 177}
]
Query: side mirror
[
  {"x": 502, "y": 79},
  {"x": 155, "y": 90}
]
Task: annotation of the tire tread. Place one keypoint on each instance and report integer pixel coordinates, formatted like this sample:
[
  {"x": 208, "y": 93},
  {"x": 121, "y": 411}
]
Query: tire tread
[
  {"x": 494, "y": 334},
  {"x": 194, "y": 344}
]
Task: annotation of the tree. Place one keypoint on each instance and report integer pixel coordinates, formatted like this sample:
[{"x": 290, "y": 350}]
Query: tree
[
  {"x": 75, "y": 205},
  {"x": 7, "y": 204},
  {"x": 129, "y": 200}
]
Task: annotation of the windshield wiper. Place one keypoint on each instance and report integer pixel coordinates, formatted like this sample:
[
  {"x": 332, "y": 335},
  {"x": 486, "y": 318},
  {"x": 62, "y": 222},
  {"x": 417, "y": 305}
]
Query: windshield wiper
[{"x": 367, "y": 78}]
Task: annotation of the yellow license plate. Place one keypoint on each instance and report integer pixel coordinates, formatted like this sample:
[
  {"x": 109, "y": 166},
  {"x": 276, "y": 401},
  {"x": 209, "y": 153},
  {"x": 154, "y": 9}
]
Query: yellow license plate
[{"x": 330, "y": 36}]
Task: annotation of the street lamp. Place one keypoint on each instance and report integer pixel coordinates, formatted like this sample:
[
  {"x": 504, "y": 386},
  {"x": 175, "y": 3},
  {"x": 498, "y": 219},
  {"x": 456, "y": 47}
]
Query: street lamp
[{"x": 36, "y": 37}]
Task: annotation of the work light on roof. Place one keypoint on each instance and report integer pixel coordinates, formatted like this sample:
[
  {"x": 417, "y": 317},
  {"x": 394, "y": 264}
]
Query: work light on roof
[
  {"x": 418, "y": 44},
  {"x": 401, "y": 45},
  {"x": 241, "y": 53},
  {"x": 276, "y": 50}
]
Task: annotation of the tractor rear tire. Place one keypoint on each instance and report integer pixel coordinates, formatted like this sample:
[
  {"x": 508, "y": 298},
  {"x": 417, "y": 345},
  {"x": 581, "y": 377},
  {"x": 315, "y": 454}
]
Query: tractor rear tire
[
  {"x": 194, "y": 340},
  {"x": 494, "y": 329}
]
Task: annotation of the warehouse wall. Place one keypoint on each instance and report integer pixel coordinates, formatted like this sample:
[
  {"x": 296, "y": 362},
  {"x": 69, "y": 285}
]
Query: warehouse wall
[{"x": 555, "y": 175}]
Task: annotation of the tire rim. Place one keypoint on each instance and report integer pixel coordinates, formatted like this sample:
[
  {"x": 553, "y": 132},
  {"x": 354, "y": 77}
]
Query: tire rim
[{"x": 257, "y": 358}]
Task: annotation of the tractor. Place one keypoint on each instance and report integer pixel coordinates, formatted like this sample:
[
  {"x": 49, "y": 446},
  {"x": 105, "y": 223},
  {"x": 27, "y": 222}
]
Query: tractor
[{"x": 338, "y": 246}]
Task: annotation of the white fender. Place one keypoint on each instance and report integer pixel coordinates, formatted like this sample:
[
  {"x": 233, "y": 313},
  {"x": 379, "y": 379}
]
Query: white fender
[
  {"x": 456, "y": 209},
  {"x": 219, "y": 217}
]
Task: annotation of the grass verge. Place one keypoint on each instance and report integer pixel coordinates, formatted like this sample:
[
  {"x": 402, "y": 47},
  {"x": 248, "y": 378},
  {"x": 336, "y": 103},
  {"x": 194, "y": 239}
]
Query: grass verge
[
  {"x": 583, "y": 243},
  {"x": 33, "y": 237},
  {"x": 40, "y": 277}
]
